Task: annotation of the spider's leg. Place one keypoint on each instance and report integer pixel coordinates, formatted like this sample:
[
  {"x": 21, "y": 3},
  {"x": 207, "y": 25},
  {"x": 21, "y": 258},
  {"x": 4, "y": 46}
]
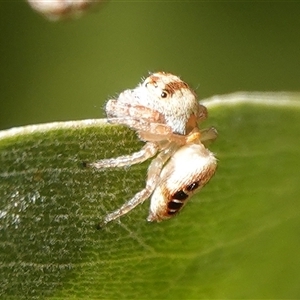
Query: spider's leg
[
  {"x": 149, "y": 150},
  {"x": 119, "y": 110},
  {"x": 150, "y": 124},
  {"x": 152, "y": 179}
]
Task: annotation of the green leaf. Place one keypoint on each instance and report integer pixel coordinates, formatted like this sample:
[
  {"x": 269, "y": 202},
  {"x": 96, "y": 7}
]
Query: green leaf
[{"x": 238, "y": 238}]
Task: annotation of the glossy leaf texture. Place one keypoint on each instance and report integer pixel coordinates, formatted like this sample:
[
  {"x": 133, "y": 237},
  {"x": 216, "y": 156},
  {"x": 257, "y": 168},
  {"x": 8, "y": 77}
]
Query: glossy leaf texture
[{"x": 237, "y": 238}]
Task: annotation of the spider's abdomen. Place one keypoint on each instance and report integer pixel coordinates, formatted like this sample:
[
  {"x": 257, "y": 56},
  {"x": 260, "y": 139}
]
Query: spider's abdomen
[{"x": 188, "y": 170}]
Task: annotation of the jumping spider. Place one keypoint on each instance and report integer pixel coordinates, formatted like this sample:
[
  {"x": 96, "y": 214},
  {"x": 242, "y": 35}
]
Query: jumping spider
[{"x": 165, "y": 113}]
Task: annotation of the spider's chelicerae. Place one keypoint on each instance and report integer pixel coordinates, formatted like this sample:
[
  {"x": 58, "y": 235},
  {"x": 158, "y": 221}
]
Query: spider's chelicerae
[{"x": 165, "y": 113}]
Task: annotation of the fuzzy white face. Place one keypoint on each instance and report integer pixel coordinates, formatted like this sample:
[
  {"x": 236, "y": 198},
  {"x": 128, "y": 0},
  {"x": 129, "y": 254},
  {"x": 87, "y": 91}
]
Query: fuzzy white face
[
  {"x": 187, "y": 171},
  {"x": 166, "y": 94}
]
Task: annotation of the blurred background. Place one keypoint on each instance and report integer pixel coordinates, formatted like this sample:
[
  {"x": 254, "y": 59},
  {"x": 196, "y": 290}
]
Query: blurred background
[{"x": 66, "y": 70}]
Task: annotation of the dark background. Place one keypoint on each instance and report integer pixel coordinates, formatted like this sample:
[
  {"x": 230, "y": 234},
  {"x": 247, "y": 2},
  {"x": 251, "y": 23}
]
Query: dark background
[{"x": 67, "y": 70}]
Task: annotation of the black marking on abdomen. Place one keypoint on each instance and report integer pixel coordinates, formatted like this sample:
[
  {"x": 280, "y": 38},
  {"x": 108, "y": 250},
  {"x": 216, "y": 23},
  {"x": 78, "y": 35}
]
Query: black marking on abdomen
[
  {"x": 175, "y": 204},
  {"x": 180, "y": 195},
  {"x": 192, "y": 186},
  {"x": 178, "y": 198}
]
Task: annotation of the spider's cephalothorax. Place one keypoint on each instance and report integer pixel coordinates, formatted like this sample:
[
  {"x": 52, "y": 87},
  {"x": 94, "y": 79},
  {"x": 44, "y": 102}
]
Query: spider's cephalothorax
[
  {"x": 161, "y": 99},
  {"x": 165, "y": 113}
]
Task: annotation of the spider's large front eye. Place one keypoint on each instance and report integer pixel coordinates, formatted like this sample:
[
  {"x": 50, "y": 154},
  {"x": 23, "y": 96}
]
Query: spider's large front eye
[{"x": 164, "y": 94}]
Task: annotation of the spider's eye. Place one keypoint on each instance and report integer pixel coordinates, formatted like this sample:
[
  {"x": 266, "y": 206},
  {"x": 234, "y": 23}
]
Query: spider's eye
[{"x": 164, "y": 94}]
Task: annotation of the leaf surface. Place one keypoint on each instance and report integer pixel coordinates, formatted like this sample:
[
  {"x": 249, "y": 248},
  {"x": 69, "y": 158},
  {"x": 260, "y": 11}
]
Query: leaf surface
[{"x": 237, "y": 238}]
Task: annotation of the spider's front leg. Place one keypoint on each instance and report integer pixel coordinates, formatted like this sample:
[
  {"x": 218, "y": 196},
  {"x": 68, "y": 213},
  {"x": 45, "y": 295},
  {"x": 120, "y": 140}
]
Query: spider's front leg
[
  {"x": 139, "y": 118},
  {"x": 156, "y": 132},
  {"x": 149, "y": 123},
  {"x": 116, "y": 109},
  {"x": 152, "y": 180}
]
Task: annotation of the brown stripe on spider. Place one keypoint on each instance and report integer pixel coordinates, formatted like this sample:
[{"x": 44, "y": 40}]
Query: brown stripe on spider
[
  {"x": 178, "y": 199},
  {"x": 170, "y": 87},
  {"x": 174, "y": 86}
]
